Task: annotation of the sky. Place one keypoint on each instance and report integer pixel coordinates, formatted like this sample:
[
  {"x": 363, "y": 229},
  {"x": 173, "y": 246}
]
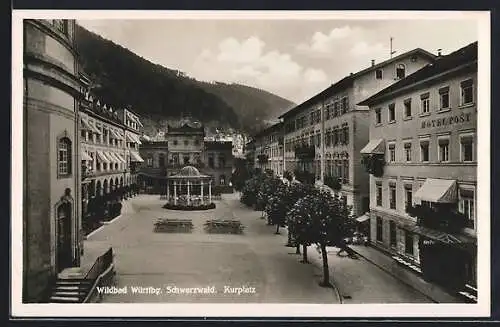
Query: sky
[{"x": 292, "y": 58}]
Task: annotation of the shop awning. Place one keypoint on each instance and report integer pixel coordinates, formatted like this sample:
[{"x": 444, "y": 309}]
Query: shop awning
[
  {"x": 363, "y": 218},
  {"x": 113, "y": 157},
  {"x": 94, "y": 128},
  {"x": 374, "y": 147},
  {"x": 135, "y": 157},
  {"x": 86, "y": 156},
  {"x": 85, "y": 124},
  {"x": 440, "y": 236},
  {"x": 120, "y": 157},
  {"x": 102, "y": 157},
  {"x": 115, "y": 134},
  {"x": 438, "y": 190},
  {"x": 132, "y": 138}
]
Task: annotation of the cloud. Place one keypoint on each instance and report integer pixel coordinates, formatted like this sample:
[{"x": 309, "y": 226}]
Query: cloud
[
  {"x": 376, "y": 50},
  {"x": 231, "y": 50},
  {"x": 325, "y": 44},
  {"x": 246, "y": 62}
]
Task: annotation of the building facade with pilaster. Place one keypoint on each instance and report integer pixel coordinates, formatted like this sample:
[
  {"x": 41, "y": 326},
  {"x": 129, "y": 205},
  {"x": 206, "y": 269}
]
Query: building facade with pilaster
[
  {"x": 51, "y": 206},
  {"x": 324, "y": 134},
  {"x": 422, "y": 156}
]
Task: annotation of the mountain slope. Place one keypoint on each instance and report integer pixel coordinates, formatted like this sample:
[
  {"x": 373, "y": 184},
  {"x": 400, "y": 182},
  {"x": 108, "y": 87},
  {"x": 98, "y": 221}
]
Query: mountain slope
[{"x": 158, "y": 93}]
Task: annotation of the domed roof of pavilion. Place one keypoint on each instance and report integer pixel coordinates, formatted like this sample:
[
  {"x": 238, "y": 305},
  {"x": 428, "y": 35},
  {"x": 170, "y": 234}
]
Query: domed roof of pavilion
[{"x": 189, "y": 171}]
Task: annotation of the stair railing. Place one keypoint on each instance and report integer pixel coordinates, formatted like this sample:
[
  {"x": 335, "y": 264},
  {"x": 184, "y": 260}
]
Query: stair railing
[{"x": 99, "y": 271}]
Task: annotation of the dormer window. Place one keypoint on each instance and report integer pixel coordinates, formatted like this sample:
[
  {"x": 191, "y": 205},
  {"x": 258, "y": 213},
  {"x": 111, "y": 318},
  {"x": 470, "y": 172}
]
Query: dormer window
[
  {"x": 400, "y": 71},
  {"x": 378, "y": 74}
]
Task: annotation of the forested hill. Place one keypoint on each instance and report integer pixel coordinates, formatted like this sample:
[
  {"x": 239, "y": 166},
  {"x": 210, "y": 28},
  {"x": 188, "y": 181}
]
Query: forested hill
[{"x": 122, "y": 78}]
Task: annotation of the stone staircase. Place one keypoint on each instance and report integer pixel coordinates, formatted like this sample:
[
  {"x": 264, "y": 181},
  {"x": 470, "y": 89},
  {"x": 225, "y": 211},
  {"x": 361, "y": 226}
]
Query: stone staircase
[{"x": 70, "y": 287}]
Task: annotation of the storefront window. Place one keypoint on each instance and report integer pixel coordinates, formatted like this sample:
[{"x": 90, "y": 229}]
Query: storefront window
[
  {"x": 392, "y": 228},
  {"x": 409, "y": 243},
  {"x": 379, "y": 229}
]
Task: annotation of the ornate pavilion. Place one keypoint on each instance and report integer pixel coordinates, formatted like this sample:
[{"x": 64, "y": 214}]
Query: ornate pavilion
[{"x": 188, "y": 188}]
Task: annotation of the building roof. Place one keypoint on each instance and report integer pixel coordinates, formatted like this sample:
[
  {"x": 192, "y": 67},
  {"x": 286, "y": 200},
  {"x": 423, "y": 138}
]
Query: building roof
[
  {"x": 456, "y": 59},
  {"x": 189, "y": 172},
  {"x": 348, "y": 81},
  {"x": 268, "y": 130},
  {"x": 219, "y": 145}
]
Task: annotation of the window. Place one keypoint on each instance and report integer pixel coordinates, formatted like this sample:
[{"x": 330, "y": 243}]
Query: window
[
  {"x": 408, "y": 243},
  {"x": 380, "y": 228},
  {"x": 466, "y": 92},
  {"x": 424, "y": 150},
  {"x": 175, "y": 158},
  {"x": 400, "y": 71},
  {"x": 407, "y": 147},
  {"x": 162, "y": 160},
  {"x": 466, "y": 205},
  {"x": 392, "y": 112},
  {"x": 466, "y": 148},
  {"x": 345, "y": 104},
  {"x": 335, "y": 136},
  {"x": 408, "y": 197},
  {"x": 211, "y": 162},
  {"x": 64, "y": 157},
  {"x": 346, "y": 134},
  {"x": 407, "y": 104},
  {"x": 424, "y": 103},
  {"x": 444, "y": 150},
  {"x": 392, "y": 231},
  {"x": 378, "y": 74},
  {"x": 222, "y": 161},
  {"x": 197, "y": 142},
  {"x": 318, "y": 140},
  {"x": 379, "y": 195},
  {"x": 175, "y": 142},
  {"x": 328, "y": 138},
  {"x": 392, "y": 196},
  {"x": 336, "y": 109},
  {"x": 222, "y": 180},
  {"x": 186, "y": 142},
  {"x": 149, "y": 161},
  {"x": 392, "y": 152},
  {"x": 444, "y": 98},
  {"x": 378, "y": 116},
  {"x": 346, "y": 172}
]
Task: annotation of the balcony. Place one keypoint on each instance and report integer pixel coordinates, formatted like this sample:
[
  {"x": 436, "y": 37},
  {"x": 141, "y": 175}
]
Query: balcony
[
  {"x": 374, "y": 164},
  {"x": 305, "y": 152},
  {"x": 441, "y": 217}
]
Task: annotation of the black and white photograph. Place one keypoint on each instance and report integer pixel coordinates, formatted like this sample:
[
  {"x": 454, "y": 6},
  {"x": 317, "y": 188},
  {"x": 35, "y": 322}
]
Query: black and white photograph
[{"x": 250, "y": 163}]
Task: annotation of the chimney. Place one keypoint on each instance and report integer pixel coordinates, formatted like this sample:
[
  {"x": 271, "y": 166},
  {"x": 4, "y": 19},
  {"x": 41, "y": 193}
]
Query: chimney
[
  {"x": 373, "y": 62},
  {"x": 439, "y": 52}
]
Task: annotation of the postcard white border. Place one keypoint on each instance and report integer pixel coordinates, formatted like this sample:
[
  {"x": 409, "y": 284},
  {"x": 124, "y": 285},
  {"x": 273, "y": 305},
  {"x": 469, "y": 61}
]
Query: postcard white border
[{"x": 481, "y": 309}]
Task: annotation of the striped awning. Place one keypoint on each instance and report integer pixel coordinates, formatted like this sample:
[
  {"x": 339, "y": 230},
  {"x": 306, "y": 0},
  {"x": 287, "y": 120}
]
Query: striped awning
[
  {"x": 102, "y": 157},
  {"x": 438, "y": 190},
  {"x": 85, "y": 155},
  {"x": 131, "y": 137},
  {"x": 135, "y": 157},
  {"x": 120, "y": 157},
  {"x": 115, "y": 134},
  {"x": 113, "y": 157},
  {"x": 374, "y": 147}
]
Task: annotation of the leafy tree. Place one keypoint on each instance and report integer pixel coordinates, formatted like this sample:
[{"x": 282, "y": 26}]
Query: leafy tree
[{"x": 277, "y": 206}]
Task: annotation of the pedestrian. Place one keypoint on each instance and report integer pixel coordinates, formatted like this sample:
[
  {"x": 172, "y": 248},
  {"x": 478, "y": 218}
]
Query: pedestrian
[{"x": 343, "y": 248}]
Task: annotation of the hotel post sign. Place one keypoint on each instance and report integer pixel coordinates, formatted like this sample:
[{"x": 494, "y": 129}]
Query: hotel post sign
[{"x": 447, "y": 121}]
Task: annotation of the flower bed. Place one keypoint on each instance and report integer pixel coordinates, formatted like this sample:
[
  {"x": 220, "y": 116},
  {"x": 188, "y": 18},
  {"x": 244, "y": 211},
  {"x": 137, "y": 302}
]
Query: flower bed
[
  {"x": 173, "y": 226},
  {"x": 186, "y": 207},
  {"x": 219, "y": 226}
]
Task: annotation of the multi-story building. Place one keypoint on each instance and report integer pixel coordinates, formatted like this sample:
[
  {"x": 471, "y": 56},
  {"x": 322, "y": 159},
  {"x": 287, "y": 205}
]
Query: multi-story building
[
  {"x": 153, "y": 171},
  {"x": 218, "y": 163},
  {"x": 51, "y": 205},
  {"x": 133, "y": 132},
  {"x": 269, "y": 149},
  {"x": 103, "y": 151},
  {"x": 422, "y": 155},
  {"x": 185, "y": 145},
  {"x": 324, "y": 134}
]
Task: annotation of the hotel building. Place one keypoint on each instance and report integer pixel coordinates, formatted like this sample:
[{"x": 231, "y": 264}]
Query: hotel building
[
  {"x": 422, "y": 156},
  {"x": 324, "y": 134},
  {"x": 269, "y": 149},
  {"x": 51, "y": 203}
]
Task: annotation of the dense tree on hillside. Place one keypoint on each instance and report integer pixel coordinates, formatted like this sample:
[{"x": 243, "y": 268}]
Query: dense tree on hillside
[{"x": 123, "y": 78}]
